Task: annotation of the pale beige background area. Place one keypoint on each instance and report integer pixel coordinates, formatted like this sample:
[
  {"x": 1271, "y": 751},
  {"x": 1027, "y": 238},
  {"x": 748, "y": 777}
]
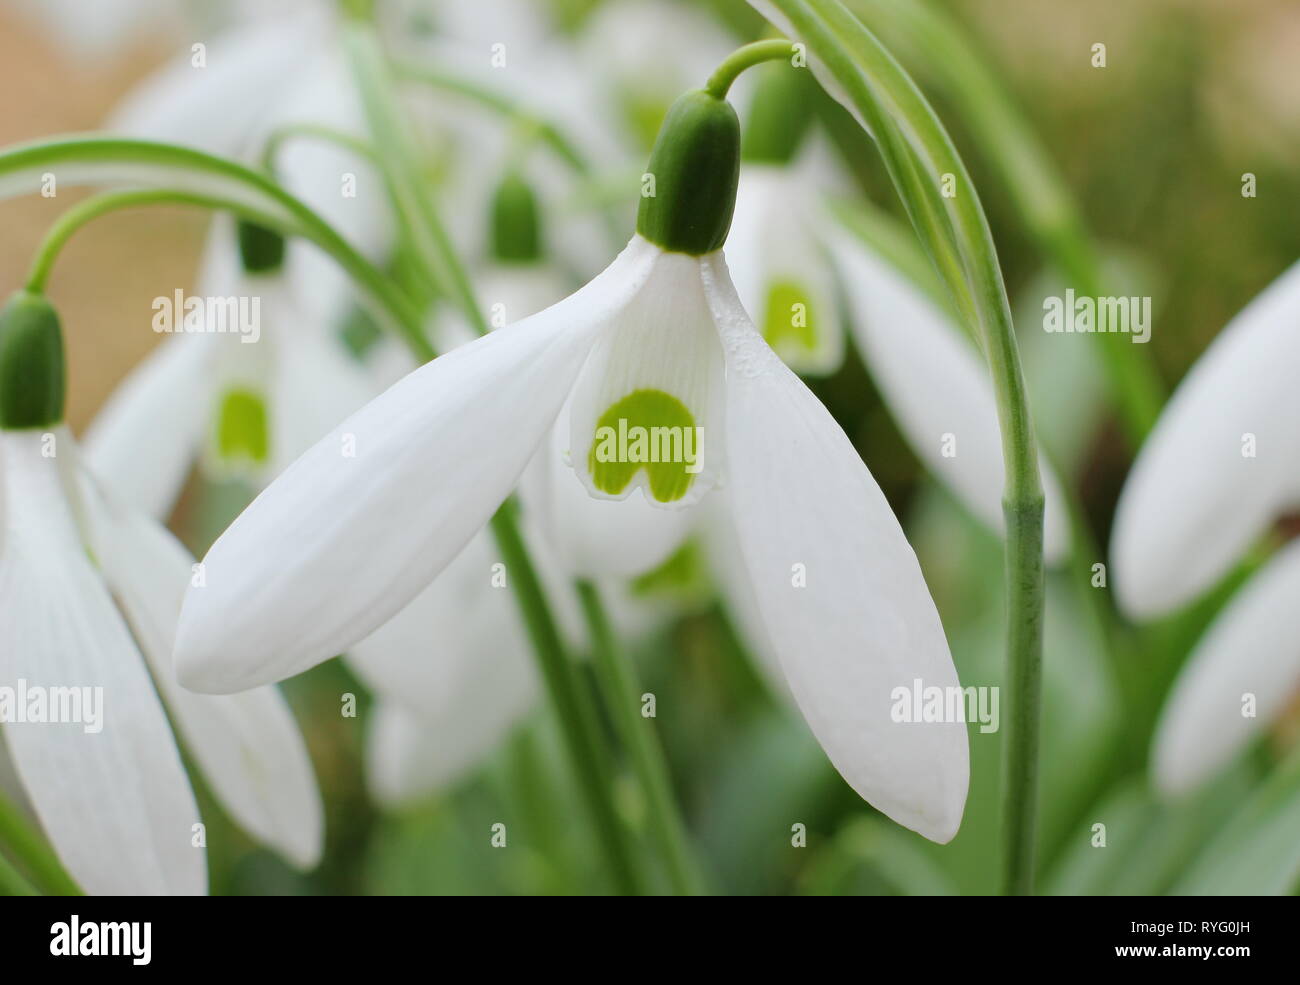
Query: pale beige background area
[{"x": 110, "y": 273}]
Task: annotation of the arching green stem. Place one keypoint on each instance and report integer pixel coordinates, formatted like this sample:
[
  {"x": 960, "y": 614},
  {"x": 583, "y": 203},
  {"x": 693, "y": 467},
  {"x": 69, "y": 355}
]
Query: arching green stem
[
  {"x": 205, "y": 179},
  {"x": 742, "y": 58}
]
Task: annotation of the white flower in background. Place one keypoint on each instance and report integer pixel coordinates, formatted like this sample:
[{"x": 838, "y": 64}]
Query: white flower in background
[
  {"x": 115, "y": 801},
  {"x": 937, "y": 388},
  {"x": 96, "y": 29},
  {"x": 245, "y": 400},
  {"x": 1220, "y": 465},
  {"x": 646, "y": 54},
  {"x": 784, "y": 251},
  {"x": 452, "y": 673},
  {"x": 780, "y": 266},
  {"x": 1241, "y": 678},
  {"x": 336, "y": 546}
]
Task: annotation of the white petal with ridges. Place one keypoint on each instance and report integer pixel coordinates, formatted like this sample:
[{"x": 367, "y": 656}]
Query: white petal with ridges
[
  {"x": 1194, "y": 501},
  {"x": 359, "y": 525},
  {"x": 1251, "y": 648},
  {"x": 144, "y": 440},
  {"x": 661, "y": 343},
  {"x": 115, "y": 804},
  {"x": 863, "y": 623},
  {"x": 936, "y": 385}
]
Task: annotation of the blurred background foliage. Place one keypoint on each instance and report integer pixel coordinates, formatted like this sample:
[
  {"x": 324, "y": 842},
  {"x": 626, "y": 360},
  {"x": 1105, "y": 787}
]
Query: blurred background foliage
[{"x": 1154, "y": 146}]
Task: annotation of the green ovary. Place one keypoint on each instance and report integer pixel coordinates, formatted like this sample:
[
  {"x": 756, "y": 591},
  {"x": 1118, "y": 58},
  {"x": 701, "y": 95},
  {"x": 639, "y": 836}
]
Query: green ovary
[
  {"x": 788, "y": 317},
  {"x": 651, "y": 430},
  {"x": 241, "y": 427}
]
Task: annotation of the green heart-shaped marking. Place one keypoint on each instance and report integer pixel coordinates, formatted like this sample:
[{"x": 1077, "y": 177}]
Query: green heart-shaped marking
[
  {"x": 241, "y": 427},
  {"x": 788, "y": 317},
  {"x": 651, "y": 430}
]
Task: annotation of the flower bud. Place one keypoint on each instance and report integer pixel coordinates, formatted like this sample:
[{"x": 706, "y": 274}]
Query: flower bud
[
  {"x": 695, "y": 165},
  {"x": 32, "y": 370}
]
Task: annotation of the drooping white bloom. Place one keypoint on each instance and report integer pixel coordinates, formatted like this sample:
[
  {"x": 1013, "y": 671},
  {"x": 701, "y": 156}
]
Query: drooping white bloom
[
  {"x": 1242, "y": 676},
  {"x": 336, "y": 546},
  {"x": 1220, "y": 464},
  {"x": 116, "y": 803}
]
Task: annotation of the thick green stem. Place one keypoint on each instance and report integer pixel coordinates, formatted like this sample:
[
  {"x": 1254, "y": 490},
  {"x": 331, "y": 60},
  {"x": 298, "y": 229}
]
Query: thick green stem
[
  {"x": 579, "y": 726},
  {"x": 34, "y": 854},
  {"x": 1020, "y": 736},
  {"x": 917, "y": 149},
  {"x": 618, "y": 679},
  {"x": 742, "y": 58}
]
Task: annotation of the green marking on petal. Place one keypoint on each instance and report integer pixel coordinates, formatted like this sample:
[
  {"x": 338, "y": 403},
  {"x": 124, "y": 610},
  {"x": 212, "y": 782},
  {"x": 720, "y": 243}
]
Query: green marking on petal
[
  {"x": 651, "y": 430},
  {"x": 683, "y": 574},
  {"x": 241, "y": 427},
  {"x": 788, "y": 317}
]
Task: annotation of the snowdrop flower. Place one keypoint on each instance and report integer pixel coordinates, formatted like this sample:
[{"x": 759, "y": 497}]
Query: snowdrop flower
[
  {"x": 1219, "y": 466},
  {"x": 1240, "y": 679},
  {"x": 114, "y": 799},
  {"x": 336, "y": 546},
  {"x": 243, "y": 386}
]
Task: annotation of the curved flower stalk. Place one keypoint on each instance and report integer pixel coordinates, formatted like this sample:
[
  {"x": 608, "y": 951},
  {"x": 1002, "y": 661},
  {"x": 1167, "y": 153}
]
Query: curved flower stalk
[
  {"x": 1242, "y": 677},
  {"x": 1220, "y": 465},
  {"x": 242, "y": 389},
  {"x": 109, "y": 789},
  {"x": 335, "y": 547}
]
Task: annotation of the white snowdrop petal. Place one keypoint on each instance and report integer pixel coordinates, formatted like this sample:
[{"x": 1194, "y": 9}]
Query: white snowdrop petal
[
  {"x": 839, "y": 588},
  {"x": 647, "y": 409},
  {"x": 247, "y": 745},
  {"x": 1244, "y": 672},
  {"x": 938, "y": 389},
  {"x": 144, "y": 440},
  {"x": 115, "y": 803},
  {"x": 1220, "y": 462},
  {"x": 368, "y": 516}
]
